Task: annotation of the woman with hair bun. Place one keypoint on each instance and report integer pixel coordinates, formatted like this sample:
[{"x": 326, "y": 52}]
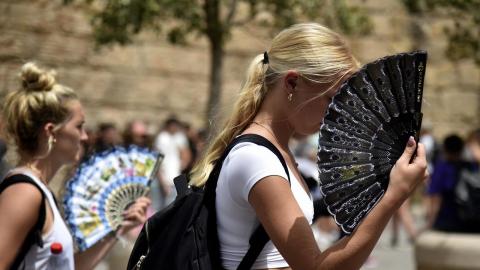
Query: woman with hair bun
[
  {"x": 287, "y": 90},
  {"x": 45, "y": 121}
]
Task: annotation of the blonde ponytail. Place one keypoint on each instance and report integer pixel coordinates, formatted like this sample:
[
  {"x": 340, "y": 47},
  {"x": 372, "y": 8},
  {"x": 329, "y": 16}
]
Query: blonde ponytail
[
  {"x": 314, "y": 51},
  {"x": 246, "y": 107}
]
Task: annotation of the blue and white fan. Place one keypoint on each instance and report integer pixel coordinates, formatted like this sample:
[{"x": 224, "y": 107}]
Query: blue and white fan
[{"x": 103, "y": 187}]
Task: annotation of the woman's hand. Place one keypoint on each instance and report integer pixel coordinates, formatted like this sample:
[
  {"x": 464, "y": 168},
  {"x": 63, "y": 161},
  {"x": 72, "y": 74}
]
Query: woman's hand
[
  {"x": 135, "y": 215},
  {"x": 406, "y": 176}
]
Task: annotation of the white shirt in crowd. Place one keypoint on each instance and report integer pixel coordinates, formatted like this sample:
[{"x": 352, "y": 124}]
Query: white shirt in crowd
[{"x": 171, "y": 145}]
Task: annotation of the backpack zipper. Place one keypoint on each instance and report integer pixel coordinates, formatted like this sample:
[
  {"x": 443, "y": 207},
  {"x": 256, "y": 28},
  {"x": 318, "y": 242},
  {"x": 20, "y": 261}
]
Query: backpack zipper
[
  {"x": 140, "y": 261},
  {"x": 138, "y": 266}
]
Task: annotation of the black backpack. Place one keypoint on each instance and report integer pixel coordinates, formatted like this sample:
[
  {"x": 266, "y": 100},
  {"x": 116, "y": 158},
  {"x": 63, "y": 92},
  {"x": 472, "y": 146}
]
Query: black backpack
[
  {"x": 467, "y": 197},
  {"x": 34, "y": 236},
  {"x": 183, "y": 236}
]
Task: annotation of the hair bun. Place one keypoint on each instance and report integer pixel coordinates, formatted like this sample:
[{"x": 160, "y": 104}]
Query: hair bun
[{"x": 36, "y": 79}]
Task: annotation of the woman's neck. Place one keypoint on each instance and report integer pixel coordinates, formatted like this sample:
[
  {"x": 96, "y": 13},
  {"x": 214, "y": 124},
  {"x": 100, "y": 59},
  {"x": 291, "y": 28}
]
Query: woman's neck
[
  {"x": 279, "y": 129},
  {"x": 44, "y": 169}
]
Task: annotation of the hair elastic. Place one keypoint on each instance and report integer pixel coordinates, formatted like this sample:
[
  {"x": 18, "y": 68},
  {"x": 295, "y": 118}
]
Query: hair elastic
[{"x": 265, "y": 58}]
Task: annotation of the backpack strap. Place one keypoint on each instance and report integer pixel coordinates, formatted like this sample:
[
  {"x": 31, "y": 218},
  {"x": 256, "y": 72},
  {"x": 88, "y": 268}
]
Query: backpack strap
[
  {"x": 259, "y": 237},
  {"x": 34, "y": 236}
]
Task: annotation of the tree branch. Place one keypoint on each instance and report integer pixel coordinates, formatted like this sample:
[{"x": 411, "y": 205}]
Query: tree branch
[{"x": 231, "y": 13}]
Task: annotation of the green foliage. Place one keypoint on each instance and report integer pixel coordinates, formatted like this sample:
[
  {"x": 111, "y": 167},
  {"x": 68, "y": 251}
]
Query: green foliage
[
  {"x": 464, "y": 43},
  {"x": 415, "y": 6},
  {"x": 352, "y": 20},
  {"x": 118, "y": 21},
  {"x": 336, "y": 14},
  {"x": 464, "y": 35}
]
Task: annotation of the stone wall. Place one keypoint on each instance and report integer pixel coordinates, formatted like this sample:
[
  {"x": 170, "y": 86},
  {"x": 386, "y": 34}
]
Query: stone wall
[
  {"x": 436, "y": 250},
  {"x": 151, "y": 79}
]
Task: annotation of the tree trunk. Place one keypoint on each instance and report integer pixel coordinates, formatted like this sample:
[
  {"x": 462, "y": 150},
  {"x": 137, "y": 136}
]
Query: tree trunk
[
  {"x": 215, "y": 33},
  {"x": 216, "y": 79}
]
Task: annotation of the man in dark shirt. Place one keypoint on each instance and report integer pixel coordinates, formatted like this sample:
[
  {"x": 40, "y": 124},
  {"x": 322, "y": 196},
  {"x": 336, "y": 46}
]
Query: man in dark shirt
[{"x": 443, "y": 214}]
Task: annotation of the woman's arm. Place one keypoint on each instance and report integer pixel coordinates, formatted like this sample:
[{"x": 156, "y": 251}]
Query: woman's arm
[
  {"x": 19, "y": 205},
  {"x": 134, "y": 216},
  {"x": 286, "y": 225}
]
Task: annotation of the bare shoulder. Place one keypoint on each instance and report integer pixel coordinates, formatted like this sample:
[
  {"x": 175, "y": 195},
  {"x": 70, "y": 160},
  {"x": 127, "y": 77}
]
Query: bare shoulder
[
  {"x": 270, "y": 186},
  {"x": 19, "y": 210},
  {"x": 19, "y": 203},
  {"x": 272, "y": 192}
]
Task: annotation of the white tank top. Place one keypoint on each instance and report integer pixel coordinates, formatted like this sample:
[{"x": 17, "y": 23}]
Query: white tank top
[
  {"x": 245, "y": 165},
  {"x": 39, "y": 258}
]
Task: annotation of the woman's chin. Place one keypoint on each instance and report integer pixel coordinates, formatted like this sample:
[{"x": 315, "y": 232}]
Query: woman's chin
[
  {"x": 310, "y": 131},
  {"x": 316, "y": 128},
  {"x": 75, "y": 160}
]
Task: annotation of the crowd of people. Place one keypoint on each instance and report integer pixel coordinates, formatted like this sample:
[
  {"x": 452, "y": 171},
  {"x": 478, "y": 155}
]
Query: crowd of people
[
  {"x": 43, "y": 122},
  {"x": 448, "y": 160},
  {"x": 178, "y": 142},
  {"x": 284, "y": 98}
]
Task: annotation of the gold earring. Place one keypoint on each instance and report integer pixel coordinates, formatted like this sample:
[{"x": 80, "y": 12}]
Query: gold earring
[
  {"x": 290, "y": 96},
  {"x": 51, "y": 140},
  {"x": 50, "y": 143}
]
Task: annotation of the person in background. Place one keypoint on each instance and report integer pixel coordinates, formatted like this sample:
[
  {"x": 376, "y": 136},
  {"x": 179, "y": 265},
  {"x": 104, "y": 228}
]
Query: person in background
[
  {"x": 442, "y": 212},
  {"x": 45, "y": 121},
  {"x": 107, "y": 137},
  {"x": 192, "y": 141},
  {"x": 473, "y": 149},
  {"x": 469, "y": 184},
  {"x": 136, "y": 133},
  {"x": 201, "y": 143},
  {"x": 287, "y": 91},
  {"x": 431, "y": 146},
  {"x": 403, "y": 217},
  {"x": 172, "y": 143}
]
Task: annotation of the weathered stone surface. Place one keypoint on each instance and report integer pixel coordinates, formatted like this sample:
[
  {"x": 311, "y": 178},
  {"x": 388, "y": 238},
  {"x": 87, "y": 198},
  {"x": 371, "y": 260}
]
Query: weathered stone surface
[
  {"x": 151, "y": 79},
  {"x": 447, "y": 251}
]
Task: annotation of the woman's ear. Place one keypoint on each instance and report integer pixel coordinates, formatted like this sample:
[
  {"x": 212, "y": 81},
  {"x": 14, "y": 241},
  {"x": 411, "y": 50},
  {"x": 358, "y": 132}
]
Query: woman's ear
[
  {"x": 49, "y": 130},
  {"x": 290, "y": 81}
]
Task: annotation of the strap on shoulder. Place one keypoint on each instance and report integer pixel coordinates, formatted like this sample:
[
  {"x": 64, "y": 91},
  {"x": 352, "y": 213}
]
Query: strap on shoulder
[
  {"x": 257, "y": 139},
  {"x": 259, "y": 237},
  {"x": 34, "y": 236}
]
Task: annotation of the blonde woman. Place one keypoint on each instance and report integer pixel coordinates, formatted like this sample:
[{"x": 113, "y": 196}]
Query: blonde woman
[
  {"x": 45, "y": 120},
  {"x": 287, "y": 91}
]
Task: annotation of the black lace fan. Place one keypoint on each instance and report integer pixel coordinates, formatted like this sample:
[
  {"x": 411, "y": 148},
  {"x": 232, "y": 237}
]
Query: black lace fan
[{"x": 365, "y": 131}]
